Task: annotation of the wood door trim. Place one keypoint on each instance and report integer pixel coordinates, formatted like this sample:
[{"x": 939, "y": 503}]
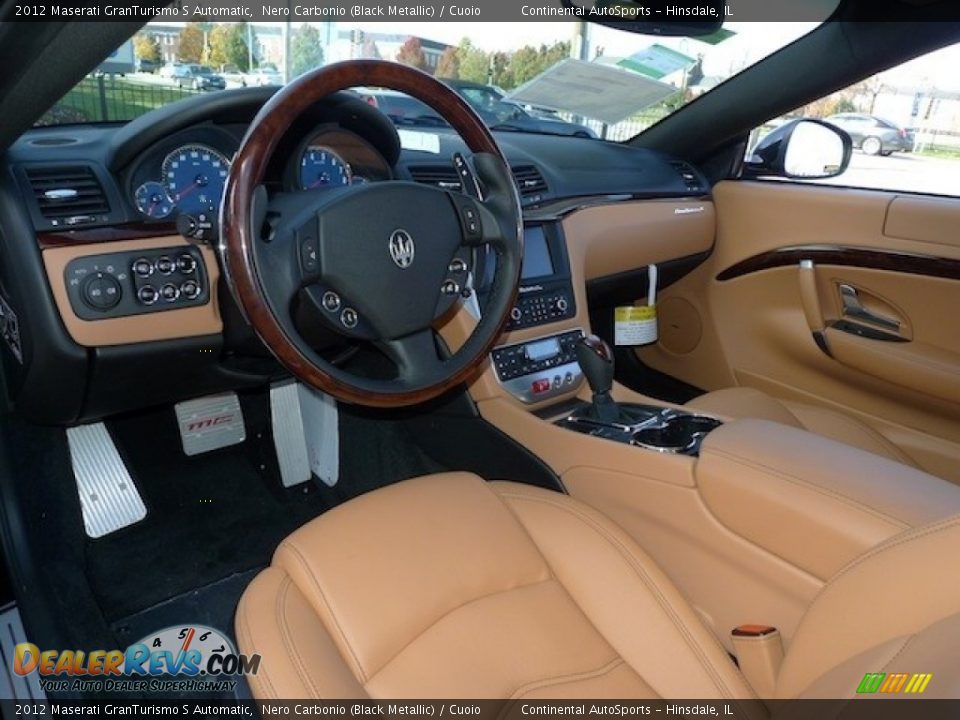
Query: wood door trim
[{"x": 874, "y": 259}]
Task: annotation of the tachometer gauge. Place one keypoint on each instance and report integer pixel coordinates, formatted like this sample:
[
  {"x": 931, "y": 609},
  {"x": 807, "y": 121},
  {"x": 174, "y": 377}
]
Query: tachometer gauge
[
  {"x": 195, "y": 175},
  {"x": 321, "y": 167},
  {"x": 153, "y": 200}
]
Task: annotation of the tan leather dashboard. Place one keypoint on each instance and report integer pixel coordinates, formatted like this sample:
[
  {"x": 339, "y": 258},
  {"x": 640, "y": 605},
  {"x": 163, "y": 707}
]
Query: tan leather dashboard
[
  {"x": 601, "y": 240},
  {"x": 168, "y": 325}
]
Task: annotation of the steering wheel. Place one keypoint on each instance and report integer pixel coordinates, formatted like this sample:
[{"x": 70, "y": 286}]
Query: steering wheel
[{"x": 385, "y": 261}]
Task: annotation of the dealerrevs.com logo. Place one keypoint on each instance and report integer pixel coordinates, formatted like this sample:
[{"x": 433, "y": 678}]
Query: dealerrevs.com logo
[{"x": 185, "y": 657}]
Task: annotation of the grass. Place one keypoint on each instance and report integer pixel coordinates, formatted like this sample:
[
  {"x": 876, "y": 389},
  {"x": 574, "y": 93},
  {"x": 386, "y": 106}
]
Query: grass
[
  {"x": 941, "y": 151},
  {"x": 122, "y": 99}
]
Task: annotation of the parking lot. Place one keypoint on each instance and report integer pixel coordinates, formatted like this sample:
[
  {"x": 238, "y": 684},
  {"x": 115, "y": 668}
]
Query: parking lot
[{"x": 908, "y": 172}]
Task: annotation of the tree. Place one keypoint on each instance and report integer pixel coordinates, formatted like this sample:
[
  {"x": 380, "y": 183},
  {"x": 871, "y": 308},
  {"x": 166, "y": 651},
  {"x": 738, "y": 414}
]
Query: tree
[
  {"x": 411, "y": 53},
  {"x": 474, "y": 62},
  {"x": 449, "y": 64},
  {"x": 306, "y": 52},
  {"x": 146, "y": 47},
  {"x": 228, "y": 46},
  {"x": 191, "y": 43}
]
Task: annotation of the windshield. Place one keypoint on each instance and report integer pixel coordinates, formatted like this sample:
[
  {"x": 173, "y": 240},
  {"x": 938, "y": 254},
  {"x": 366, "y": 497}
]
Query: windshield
[{"x": 561, "y": 78}]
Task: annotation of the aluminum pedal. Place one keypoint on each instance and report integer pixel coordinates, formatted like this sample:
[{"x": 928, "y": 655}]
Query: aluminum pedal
[
  {"x": 108, "y": 496},
  {"x": 210, "y": 423},
  {"x": 306, "y": 434}
]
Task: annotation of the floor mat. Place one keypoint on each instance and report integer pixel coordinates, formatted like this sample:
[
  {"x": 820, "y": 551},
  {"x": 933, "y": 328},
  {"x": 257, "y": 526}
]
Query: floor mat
[
  {"x": 222, "y": 514},
  {"x": 209, "y": 516}
]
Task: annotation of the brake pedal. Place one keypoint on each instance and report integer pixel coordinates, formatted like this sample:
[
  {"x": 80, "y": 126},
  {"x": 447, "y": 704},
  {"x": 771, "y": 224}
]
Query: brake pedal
[
  {"x": 109, "y": 499},
  {"x": 306, "y": 434}
]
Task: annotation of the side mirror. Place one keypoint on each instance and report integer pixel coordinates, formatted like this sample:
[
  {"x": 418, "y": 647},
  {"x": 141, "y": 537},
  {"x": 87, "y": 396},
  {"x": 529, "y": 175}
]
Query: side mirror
[{"x": 805, "y": 148}]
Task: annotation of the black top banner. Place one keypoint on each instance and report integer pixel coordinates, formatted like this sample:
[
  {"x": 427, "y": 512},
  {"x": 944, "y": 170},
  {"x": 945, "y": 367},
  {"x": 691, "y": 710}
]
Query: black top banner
[{"x": 607, "y": 11}]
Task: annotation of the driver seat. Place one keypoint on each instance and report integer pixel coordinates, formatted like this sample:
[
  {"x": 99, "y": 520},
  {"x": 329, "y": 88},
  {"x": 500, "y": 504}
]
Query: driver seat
[{"x": 447, "y": 586}]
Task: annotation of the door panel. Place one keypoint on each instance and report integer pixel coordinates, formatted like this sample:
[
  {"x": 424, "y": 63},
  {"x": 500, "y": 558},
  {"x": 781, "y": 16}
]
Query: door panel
[{"x": 868, "y": 327}]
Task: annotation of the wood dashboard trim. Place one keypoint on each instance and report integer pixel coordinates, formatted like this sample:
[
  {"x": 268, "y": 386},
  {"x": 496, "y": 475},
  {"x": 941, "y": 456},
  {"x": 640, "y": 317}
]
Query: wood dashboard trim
[
  {"x": 88, "y": 236},
  {"x": 167, "y": 325},
  {"x": 910, "y": 263}
]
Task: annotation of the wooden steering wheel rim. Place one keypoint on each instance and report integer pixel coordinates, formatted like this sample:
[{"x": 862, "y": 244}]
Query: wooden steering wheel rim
[{"x": 248, "y": 171}]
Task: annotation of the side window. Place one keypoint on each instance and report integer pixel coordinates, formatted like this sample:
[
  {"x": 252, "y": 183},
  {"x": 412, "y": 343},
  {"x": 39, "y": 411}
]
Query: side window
[{"x": 904, "y": 123}]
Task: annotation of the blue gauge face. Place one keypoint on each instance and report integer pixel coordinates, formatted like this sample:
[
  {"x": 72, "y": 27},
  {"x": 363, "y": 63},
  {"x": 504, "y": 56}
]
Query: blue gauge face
[
  {"x": 194, "y": 176},
  {"x": 153, "y": 200},
  {"x": 321, "y": 167}
]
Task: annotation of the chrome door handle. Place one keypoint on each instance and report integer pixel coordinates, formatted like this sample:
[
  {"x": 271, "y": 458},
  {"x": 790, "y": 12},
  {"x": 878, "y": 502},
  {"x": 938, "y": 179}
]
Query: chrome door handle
[{"x": 854, "y": 309}]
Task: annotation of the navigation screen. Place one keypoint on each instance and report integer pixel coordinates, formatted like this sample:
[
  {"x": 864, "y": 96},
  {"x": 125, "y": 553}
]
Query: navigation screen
[{"x": 536, "y": 253}]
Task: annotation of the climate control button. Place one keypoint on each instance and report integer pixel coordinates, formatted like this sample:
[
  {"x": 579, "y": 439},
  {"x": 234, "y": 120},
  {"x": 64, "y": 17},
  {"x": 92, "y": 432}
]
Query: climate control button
[{"x": 147, "y": 294}]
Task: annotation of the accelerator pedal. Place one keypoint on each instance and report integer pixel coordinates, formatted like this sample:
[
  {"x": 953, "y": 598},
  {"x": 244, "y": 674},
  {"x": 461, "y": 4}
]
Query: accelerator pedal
[
  {"x": 306, "y": 434},
  {"x": 108, "y": 497}
]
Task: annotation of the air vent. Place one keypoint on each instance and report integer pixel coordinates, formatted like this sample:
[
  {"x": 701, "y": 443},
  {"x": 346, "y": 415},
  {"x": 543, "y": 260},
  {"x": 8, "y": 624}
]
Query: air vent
[
  {"x": 441, "y": 176},
  {"x": 68, "y": 195},
  {"x": 530, "y": 182},
  {"x": 689, "y": 176}
]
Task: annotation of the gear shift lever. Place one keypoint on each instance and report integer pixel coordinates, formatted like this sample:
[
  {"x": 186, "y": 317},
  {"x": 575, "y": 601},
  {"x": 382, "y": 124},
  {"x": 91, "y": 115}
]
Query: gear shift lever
[{"x": 596, "y": 361}]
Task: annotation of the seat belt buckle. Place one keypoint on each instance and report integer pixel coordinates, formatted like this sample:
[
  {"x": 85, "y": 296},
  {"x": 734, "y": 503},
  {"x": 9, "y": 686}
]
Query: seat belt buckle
[{"x": 759, "y": 651}]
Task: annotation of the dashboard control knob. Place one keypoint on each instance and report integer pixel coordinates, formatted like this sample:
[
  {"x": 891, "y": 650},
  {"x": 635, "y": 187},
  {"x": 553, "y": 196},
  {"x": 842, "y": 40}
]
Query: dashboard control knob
[
  {"x": 170, "y": 292},
  {"x": 331, "y": 301},
  {"x": 190, "y": 289},
  {"x": 349, "y": 318},
  {"x": 165, "y": 265},
  {"x": 457, "y": 266},
  {"x": 516, "y": 315},
  {"x": 199, "y": 228},
  {"x": 147, "y": 294},
  {"x": 561, "y": 305},
  {"x": 101, "y": 291},
  {"x": 186, "y": 263},
  {"x": 142, "y": 267}
]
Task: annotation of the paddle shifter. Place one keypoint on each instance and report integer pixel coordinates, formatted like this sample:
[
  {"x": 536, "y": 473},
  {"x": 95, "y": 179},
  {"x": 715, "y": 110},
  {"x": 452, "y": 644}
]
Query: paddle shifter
[{"x": 596, "y": 361}]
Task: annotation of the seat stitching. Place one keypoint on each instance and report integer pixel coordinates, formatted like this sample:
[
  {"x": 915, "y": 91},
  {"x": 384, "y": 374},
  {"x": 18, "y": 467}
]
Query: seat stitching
[
  {"x": 450, "y": 612},
  {"x": 560, "y": 679},
  {"x": 655, "y": 591},
  {"x": 281, "y": 617},
  {"x": 903, "y": 646},
  {"x": 262, "y": 676},
  {"x": 323, "y": 597},
  {"x": 845, "y": 499}
]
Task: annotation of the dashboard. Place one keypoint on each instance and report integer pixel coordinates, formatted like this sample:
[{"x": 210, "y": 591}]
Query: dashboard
[{"x": 108, "y": 272}]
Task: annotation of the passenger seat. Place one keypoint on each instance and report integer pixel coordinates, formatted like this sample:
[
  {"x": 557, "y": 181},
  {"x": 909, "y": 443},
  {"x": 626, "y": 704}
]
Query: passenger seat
[{"x": 749, "y": 403}]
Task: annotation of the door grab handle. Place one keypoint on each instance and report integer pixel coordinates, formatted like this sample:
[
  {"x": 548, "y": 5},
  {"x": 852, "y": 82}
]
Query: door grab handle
[{"x": 853, "y": 308}]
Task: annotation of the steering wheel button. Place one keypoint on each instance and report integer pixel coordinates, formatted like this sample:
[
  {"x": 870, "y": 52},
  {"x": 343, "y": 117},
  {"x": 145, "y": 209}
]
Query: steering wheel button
[
  {"x": 349, "y": 318},
  {"x": 331, "y": 301},
  {"x": 309, "y": 255},
  {"x": 449, "y": 287}
]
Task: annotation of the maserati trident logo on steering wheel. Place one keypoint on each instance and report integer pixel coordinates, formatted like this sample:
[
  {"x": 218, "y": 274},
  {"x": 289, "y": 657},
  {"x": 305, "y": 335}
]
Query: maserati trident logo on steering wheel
[{"x": 402, "y": 248}]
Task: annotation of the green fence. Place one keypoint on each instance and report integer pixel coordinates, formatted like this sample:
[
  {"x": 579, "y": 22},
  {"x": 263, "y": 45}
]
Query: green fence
[{"x": 111, "y": 99}]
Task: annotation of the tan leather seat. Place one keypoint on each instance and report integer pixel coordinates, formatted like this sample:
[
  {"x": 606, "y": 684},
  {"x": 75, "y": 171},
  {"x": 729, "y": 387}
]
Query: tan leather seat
[
  {"x": 448, "y": 586},
  {"x": 749, "y": 403}
]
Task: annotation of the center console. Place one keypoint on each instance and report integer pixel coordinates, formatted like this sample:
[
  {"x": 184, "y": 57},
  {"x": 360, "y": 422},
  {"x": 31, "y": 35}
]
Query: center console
[
  {"x": 542, "y": 367},
  {"x": 663, "y": 430}
]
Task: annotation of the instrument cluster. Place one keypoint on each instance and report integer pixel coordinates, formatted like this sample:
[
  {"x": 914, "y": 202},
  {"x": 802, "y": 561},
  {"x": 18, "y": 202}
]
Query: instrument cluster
[{"x": 189, "y": 179}]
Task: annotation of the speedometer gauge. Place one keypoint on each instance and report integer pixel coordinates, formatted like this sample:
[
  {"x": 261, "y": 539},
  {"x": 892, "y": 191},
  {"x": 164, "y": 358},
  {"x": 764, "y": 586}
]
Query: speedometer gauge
[
  {"x": 195, "y": 175},
  {"x": 321, "y": 167}
]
